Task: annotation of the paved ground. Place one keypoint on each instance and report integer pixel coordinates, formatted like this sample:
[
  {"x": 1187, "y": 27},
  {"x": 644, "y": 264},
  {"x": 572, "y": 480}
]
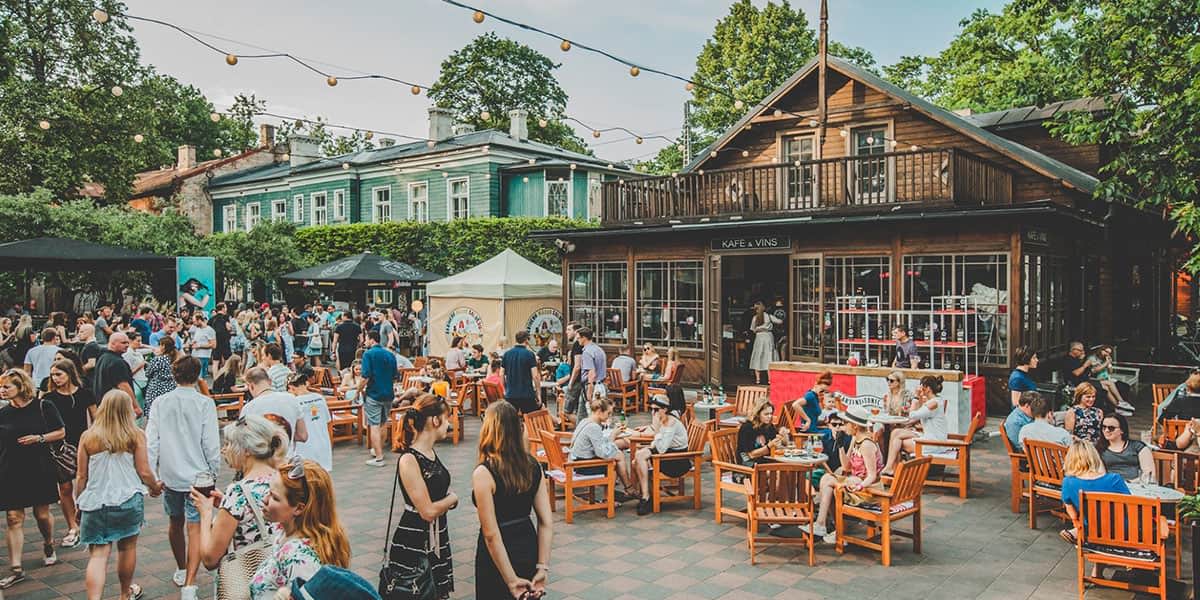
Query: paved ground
[{"x": 974, "y": 548}]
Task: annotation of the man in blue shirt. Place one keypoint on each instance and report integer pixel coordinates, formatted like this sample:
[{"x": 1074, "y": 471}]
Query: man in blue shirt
[
  {"x": 168, "y": 330},
  {"x": 378, "y": 379},
  {"x": 593, "y": 366},
  {"x": 521, "y": 377},
  {"x": 142, "y": 323},
  {"x": 1021, "y": 415},
  {"x": 1020, "y": 381}
]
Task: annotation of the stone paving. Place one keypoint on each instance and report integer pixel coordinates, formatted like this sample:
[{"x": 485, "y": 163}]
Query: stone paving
[{"x": 973, "y": 548}]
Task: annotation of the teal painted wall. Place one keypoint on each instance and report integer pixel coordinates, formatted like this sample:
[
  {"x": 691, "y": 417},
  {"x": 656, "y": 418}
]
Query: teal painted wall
[
  {"x": 579, "y": 190},
  {"x": 525, "y": 199}
]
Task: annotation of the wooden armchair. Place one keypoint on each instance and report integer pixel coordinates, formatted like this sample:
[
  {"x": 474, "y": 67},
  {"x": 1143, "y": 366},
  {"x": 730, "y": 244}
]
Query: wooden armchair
[
  {"x": 675, "y": 490},
  {"x": 230, "y": 404},
  {"x": 535, "y": 423},
  {"x": 345, "y": 421},
  {"x": 406, "y": 378},
  {"x": 1160, "y": 391},
  {"x": 1171, "y": 428},
  {"x": 747, "y": 396},
  {"x": 900, "y": 501},
  {"x": 959, "y": 458},
  {"x": 624, "y": 394},
  {"x": 1045, "y": 476},
  {"x": 456, "y": 421},
  {"x": 1018, "y": 489},
  {"x": 785, "y": 417},
  {"x": 780, "y": 494},
  {"x": 726, "y": 468},
  {"x": 562, "y": 472},
  {"x": 1166, "y": 470},
  {"x": 566, "y": 420},
  {"x": 420, "y": 362},
  {"x": 1105, "y": 537}
]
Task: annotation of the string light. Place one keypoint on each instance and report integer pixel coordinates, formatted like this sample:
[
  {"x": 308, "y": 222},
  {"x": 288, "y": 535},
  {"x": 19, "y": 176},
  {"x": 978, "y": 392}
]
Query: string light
[
  {"x": 139, "y": 138},
  {"x": 478, "y": 16},
  {"x": 689, "y": 86},
  {"x": 525, "y": 180},
  {"x": 369, "y": 134},
  {"x": 639, "y": 140},
  {"x": 217, "y": 152},
  {"x": 44, "y": 124},
  {"x": 745, "y": 153},
  {"x": 430, "y": 144},
  {"x": 543, "y": 123},
  {"x": 485, "y": 115},
  {"x": 231, "y": 59},
  {"x": 634, "y": 71},
  {"x": 713, "y": 154},
  {"x": 345, "y": 166},
  {"x": 565, "y": 45},
  {"x": 573, "y": 166},
  {"x": 595, "y": 133},
  {"x": 215, "y": 117},
  {"x": 285, "y": 156},
  {"x": 738, "y": 104},
  {"x": 416, "y": 90},
  {"x": 331, "y": 81},
  {"x": 778, "y": 113},
  {"x": 117, "y": 91},
  {"x": 100, "y": 16}
]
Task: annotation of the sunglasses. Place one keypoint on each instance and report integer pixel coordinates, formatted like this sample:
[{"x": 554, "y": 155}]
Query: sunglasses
[
  {"x": 296, "y": 473},
  {"x": 893, "y": 380},
  {"x": 1110, "y": 427}
]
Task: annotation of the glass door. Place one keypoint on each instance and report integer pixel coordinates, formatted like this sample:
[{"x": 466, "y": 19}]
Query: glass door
[
  {"x": 806, "y": 309},
  {"x": 799, "y": 181},
  {"x": 713, "y": 318},
  {"x": 869, "y": 170}
]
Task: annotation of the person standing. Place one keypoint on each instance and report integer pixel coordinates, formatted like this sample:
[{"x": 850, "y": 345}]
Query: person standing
[
  {"x": 222, "y": 328},
  {"x": 103, "y": 327},
  {"x": 265, "y": 401},
  {"x": 170, "y": 329},
  {"x": 135, "y": 357},
  {"x": 522, "y": 380},
  {"x": 183, "y": 442},
  {"x": 114, "y": 477},
  {"x": 377, "y": 390},
  {"x": 27, "y": 426},
  {"x": 574, "y": 387},
  {"x": 345, "y": 340},
  {"x": 1019, "y": 381},
  {"x": 511, "y": 557},
  {"x": 159, "y": 379},
  {"x": 763, "y": 352},
  {"x": 141, "y": 323},
  {"x": 39, "y": 358},
  {"x": 315, "y": 412},
  {"x": 425, "y": 486},
  {"x": 203, "y": 341},
  {"x": 592, "y": 369},
  {"x": 316, "y": 345},
  {"x": 75, "y": 404},
  {"x": 905, "y": 355},
  {"x": 112, "y": 372},
  {"x": 272, "y": 363}
]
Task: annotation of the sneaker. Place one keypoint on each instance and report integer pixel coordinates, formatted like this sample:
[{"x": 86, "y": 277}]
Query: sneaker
[
  {"x": 49, "y": 556},
  {"x": 644, "y": 507},
  {"x": 17, "y": 576},
  {"x": 188, "y": 592},
  {"x": 374, "y": 462},
  {"x": 830, "y": 538},
  {"x": 71, "y": 539},
  {"x": 1124, "y": 412},
  {"x": 1068, "y": 535},
  {"x": 818, "y": 530},
  {"x": 1125, "y": 405},
  {"x": 180, "y": 577}
]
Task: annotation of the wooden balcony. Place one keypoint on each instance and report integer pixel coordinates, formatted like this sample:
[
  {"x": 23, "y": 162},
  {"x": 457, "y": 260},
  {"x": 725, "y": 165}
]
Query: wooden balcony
[{"x": 937, "y": 176}]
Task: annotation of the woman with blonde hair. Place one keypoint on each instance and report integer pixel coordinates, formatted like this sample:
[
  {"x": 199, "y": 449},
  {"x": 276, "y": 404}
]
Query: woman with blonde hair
[
  {"x": 668, "y": 372},
  {"x": 301, "y": 504},
  {"x": 1084, "y": 418},
  {"x": 114, "y": 476},
  {"x": 898, "y": 400},
  {"x": 1083, "y": 471},
  {"x": 511, "y": 558}
]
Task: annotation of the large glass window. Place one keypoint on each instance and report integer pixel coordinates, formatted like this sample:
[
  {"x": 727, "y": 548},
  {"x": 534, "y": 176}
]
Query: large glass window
[
  {"x": 982, "y": 277},
  {"x": 558, "y": 198},
  {"x": 418, "y": 202},
  {"x": 669, "y": 303},
  {"x": 252, "y": 215},
  {"x": 597, "y": 299},
  {"x": 279, "y": 210},
  {"x": 1044, "y": 312},
  {"x": 229, "y": 212},
  {"x": 339, "y": 205},
  {"x": 298, "y": 213},
  {"x": 870, "y": 175},
  {"x": 381, "y": 205},
  {"x": 806, "y": 309},
  {"x": 800, "y": 177},
  {"x": 862, "y": 277}
]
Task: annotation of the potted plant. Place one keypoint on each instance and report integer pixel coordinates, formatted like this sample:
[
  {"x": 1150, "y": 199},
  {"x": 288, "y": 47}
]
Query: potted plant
[{"x": 1189, "y": 511}]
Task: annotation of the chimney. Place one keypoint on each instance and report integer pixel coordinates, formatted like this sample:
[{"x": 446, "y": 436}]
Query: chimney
[
  {"x": 440, "y": 122},
  {"x": 463, "y": 129},
  {"x": 387, "y": 142},
  {"x": 186, "y": 158},
  {"x": 518, "y": 124},
  {"x": 266, "y": 136},
  {"x": 303, "y": 149}
]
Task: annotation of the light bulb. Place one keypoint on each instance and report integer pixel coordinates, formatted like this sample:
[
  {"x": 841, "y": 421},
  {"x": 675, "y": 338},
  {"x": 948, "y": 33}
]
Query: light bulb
[
  {"x": 533, "y": 161},
  {"x": 572, "y": 166},
  {"x": 596, "y": 133},
  {"x": 565, "y": 45},
  {"x": 117, "y": 91},
  {"x": 100, "y": 16},
  {"x": 634, "y": 71},
  {"x": 680, "y": 147},
  {"x": 676, "y": 175},
  {"x": 430, "y": 144},
  {"x": 639, "y": 140},
  {"x": 445, "y": 174},
  {"x": 797, "y": 163},
  {"x": 478, "y": 17},
  {"x": 689, "y": 86},
  {"x": 139, "y": 138},
  {"x": 700, "y": 172},
  {"x": 216, "y": 152},
  {"x": 345, "y": 166},
  {"x": 738, "y": 104},
  {"x": 543, "y": 123},
  {"x": 215, "y": 117},
  {"x": 524, "y": 180},
  {"x": 813, "y": 123},
  {"x": 745, "y": 153},
  {"x": 870, "y": 140},
  {"x": 913, "y": 147},
  {"x": 331, "y": 80},
  {"x": 44, "y": 124},
  {"x": 610, "y": 165},
  {"x": 713, "y": 154},
  {"x": 416, "y": 90},
  {"x": 778, "y": 113},
  {"x": 485, "y": 115},
  {"x": 231, "y": 59}
]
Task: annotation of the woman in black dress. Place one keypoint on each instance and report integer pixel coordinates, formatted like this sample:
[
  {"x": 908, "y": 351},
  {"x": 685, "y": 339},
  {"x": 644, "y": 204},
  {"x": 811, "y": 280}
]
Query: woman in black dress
[
  {"x": 76, "y": 405},
  {"x": 27, "y": 426},
  {"x": 511, "y": 558},
  {"x": 425, "y": 485}
]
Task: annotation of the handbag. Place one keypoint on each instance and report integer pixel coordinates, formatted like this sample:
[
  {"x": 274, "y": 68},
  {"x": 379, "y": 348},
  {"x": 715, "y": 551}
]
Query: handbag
[
  {"x": 237, "y": 567},
  {"x": 404, "y": 581},
  {"x": 63, "y": 455}
]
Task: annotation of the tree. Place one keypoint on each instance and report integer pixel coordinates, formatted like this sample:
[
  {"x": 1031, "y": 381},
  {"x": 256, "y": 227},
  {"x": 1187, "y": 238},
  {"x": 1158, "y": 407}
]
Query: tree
[
  {"x": 59, "y": 67},
  {"x": 496, "y": 75},
  {"x": 751, "y": 52},
  {"x": 669, "y": 160},
  {"x": 330, "y": 144}
]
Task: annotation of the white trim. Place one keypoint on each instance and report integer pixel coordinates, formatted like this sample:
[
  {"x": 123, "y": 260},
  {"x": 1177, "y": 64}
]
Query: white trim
[
  {"x": 780, "y": 140},
  {"x": 298, "y": 209},
  {"x": 229, "y": 222},
  {"x": 340, "y": 205},
  {"x": 257, "y": 206},
  {"x": 279, "y": 215},
  {"x": 887, "y": 125},
  {"x": 409, "y": 199},
  {"x": 375, "y": 202},
  {"x": 450, "y": 197},
  {"x": 312, "y": 207},
  {"x": 597, "y": 179}
]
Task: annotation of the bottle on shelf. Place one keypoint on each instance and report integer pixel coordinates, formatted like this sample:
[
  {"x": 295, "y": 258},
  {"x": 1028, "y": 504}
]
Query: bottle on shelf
[
  {"x": 960, "y": 335},
  {"x": 945, "y": 335}
]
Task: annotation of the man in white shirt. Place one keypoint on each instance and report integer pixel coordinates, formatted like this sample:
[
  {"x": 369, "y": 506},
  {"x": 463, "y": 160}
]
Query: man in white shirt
[
  {"x": 273, "y": 363},
  {"x": 204, "y": 339},
  {"x": 1041, "y": 429},
  {"x": 269, "y": 402},
  {"x": 315, "y": 412},
  {"x": 183, "y": 441},
  {"x": 135, "y": 357},
  {"x": 39, "y": 358}
]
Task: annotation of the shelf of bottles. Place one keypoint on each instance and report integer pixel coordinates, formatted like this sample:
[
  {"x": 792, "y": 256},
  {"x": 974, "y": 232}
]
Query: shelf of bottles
[{"x": 946, "y": 333}]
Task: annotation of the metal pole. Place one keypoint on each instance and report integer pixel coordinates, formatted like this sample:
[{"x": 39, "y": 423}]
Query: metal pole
[{"x": 822, "y": 63}]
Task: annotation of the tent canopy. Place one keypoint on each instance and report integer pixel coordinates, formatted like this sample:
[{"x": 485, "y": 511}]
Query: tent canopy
[
  {"x": 62, "y": 254},
  {"x": 507, "y": 275},
  {"x": 362, "y": 268}
]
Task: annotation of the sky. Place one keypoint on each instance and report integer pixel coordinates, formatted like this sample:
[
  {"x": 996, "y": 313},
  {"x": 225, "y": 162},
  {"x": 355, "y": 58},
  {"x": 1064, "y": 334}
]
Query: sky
[{"x": 409, "y": 39}]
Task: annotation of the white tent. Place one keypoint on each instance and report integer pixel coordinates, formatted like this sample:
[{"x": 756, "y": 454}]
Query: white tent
[{"x": 497, "y": 298}]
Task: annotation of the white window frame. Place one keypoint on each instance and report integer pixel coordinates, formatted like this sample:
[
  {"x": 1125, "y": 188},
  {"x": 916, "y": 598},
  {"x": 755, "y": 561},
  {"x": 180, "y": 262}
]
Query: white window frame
[
  {"x": 450, "y": 216},
  {"x": 546, "y": 181},
  {"x": 339, "y": 206},
  {"x": 781, "y": 140},
  {"x": 376, "y": 204},
  {"x": 229, "y": 217},
  {"x": 320, "y": 216},
  {"x": 382, "y": 297},
  {"x": 254, "y": 210},
  {"x": 411, "y": 186},
  {"x": 298, "y": 209},
  {"x": 279, "y": 210},
  {"x": 890, "y": 164},
  {"x": 595, "y": 195}
]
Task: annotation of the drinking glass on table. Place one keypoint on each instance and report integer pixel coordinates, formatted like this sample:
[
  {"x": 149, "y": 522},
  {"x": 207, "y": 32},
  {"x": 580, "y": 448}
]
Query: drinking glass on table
[
  {"x": 205, "y": 483},
  {"x": 818, "y": 446}
]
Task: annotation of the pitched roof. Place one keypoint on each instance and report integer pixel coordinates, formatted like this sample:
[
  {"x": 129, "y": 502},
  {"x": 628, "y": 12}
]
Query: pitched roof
[
  {"x": 1022, "y": 115},
  {"x": 1026, "y": 156}
]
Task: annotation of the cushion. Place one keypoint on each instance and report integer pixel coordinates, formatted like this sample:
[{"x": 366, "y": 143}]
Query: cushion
[
  {"x": 1119, "y": 552},
  {"x": 1048, "y": 486},
  {"x": 561, "y": 477},
  {"x": 876, "y": 507}
]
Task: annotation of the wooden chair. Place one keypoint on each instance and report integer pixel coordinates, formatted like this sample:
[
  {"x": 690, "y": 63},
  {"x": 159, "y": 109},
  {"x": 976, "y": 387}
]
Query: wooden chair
[
  {"x": 697, "y": 435},
  {"x": 230, "y": 404},
  {"x": 456, "y": 420},
  {"x": 491, "y": 393},
  {"x": 321, "y": 378},
  {"x": 345, "y": 421},
  {"x": 562, "y": 472},
  {"x": 1122, "y": 531},
  {"x": 566, "y": 420},
  {"x": 535, "y": 423},
  {"x": 785, "y": 417},
  {"x": 406, "y": 378},
  {"x": 780, "y": 494},
  {"x": 1018, "y": 490},
  {"x": 1045, "y": 476},
  {"x": 420, "y": 362},
  {"x": 624, "y": 394},
  {"x": 723, "y": 443},
  {"x": 900, "y": 501},
  {"x": 1160, "y": 391},
  {"x": 1166, "y": 470},
  {"x": 959, "y": 459},
  {"x": 747, "y": 396},
  {"x": 1171, "y": 428}
]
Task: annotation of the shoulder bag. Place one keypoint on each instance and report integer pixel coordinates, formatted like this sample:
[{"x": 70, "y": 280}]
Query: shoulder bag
[
  {"x": 404, "y": 581},
  {"x": 237, "y": 567},
  {"x": 63, "y": 454}
]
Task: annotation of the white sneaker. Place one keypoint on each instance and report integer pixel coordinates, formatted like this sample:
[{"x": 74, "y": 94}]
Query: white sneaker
[
  {"x": 830, "y": 538},
  {"x": 375, "y": 462},
  {"x": 187, "y": 592},
  {"x": 818, "y": 531},
  {"x": 1125, "y": 405},
  {"x": 179, "y": 577}
]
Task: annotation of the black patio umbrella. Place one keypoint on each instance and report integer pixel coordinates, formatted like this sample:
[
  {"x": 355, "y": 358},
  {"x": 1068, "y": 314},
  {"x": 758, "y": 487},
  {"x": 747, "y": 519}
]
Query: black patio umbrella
[
  {"x": 361, "y": 270},
  {"x": 62, "y": 254}
]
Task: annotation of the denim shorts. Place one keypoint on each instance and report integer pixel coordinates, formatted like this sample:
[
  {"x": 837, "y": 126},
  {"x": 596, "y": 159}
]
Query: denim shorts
[
  {"x": 377, "y": 410},
  {"x": 179, "y": 504},
  {"x": 112, "y": 523}
]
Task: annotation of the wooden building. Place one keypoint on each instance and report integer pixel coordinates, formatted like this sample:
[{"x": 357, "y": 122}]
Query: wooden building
[{"x": 904, "y": 202}]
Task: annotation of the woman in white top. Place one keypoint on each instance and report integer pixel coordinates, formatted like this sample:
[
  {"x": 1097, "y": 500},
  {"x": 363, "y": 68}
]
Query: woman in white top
[
  {"x": 113, "y": 475},
  {"x": 350, "y": 379},
  {"x": 930, "y": 416},
  {"x": 669, "y": 436}
]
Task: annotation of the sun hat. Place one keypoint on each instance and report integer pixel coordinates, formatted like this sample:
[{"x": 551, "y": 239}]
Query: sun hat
[
  {"x": 856, "y": 414},
  {"x": 333, "y": 582}
]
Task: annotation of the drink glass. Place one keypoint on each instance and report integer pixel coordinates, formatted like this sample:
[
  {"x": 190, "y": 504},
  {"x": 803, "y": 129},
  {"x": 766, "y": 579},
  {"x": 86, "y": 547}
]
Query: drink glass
[
  {"x": 818, "y": 447},
  {"x": 875, "y": 411},
  {"x": 205, "y": 483}
]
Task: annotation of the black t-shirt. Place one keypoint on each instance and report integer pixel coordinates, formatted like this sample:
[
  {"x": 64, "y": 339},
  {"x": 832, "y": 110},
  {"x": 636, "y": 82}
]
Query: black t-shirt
[
  {"x": 576, "y": 350},
  {"x": 545, "y": 355},
  {"x": 348, "y": 333},
  {"x": 90, "y": 350},
  {"x": 220, "y": 324},
  {"x": 1069, "y": 364},
  {"x": 35, "y": 418},
  {"x": 74, "y": 409},
  {"x": 110, "y": 371},
  {"x": 779, "y": 312},
  {"x": 300, "y": 327},
  {"x": 518, "y": 363}
]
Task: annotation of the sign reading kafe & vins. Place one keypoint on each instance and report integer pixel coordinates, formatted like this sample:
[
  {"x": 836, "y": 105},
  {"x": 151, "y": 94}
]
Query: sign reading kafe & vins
[{"x": 765, "y": 242}]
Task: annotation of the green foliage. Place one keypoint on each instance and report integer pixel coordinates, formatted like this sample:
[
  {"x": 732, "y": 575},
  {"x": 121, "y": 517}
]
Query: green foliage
[
  {"x": 57, "y": 64},
  {"x": 751, "y": 52},
  {"x": 497, "y": 75},
  {"x": 330, "y": 144},
  {"x": 668, "y": 160},
  {"x": 263, "y": 253}
]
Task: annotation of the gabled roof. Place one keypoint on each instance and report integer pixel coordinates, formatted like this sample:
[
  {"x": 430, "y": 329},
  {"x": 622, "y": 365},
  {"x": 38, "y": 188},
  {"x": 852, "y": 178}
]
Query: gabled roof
[
  {"x": 1026, "y": 156},
  {"x": 150, "y": 183},
  {"x": 1024, "y": 115}
]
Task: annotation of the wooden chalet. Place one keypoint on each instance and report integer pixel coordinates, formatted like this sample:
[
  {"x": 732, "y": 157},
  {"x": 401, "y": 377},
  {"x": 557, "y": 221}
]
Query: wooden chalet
[{"x": 903, "y": 203}]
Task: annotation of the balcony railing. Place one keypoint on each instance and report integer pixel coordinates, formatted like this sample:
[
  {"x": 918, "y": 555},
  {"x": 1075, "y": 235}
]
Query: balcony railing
[{"x": 949, "y": 176}]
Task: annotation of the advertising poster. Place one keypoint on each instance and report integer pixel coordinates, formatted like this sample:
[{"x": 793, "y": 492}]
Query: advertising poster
[{"x": 195, "y": 278}]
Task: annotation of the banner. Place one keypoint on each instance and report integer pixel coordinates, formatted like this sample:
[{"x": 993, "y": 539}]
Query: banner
[{"x": 196, "y": 277}]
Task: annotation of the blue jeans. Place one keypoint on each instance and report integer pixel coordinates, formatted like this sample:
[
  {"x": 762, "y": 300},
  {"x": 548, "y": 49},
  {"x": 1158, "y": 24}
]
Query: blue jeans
[{"x": 204, "y": 367}]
